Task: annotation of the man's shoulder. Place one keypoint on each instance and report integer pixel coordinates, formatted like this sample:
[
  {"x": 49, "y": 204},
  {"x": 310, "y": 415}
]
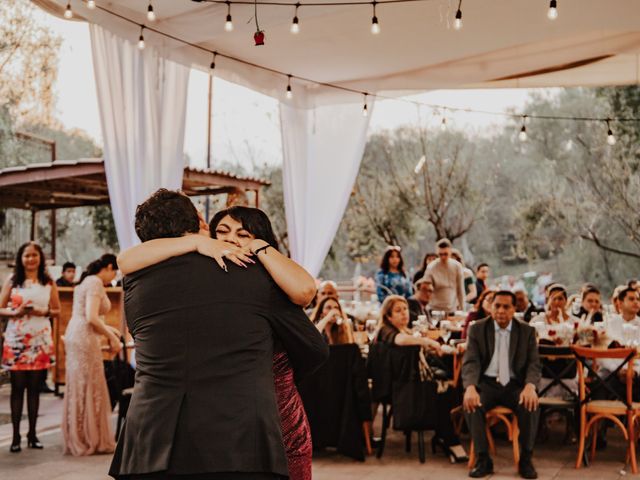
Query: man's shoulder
[
  {"x": 479, "y": 326},
  {"x": 523, "y": 326}
]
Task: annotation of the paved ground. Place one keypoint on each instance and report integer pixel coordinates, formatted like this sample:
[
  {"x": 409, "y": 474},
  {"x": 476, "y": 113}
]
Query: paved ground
[{"x": 553, "y": 459}]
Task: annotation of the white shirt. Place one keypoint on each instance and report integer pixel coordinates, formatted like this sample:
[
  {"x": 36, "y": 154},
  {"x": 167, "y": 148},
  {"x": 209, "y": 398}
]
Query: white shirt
[{"x": 492, "y": 369}]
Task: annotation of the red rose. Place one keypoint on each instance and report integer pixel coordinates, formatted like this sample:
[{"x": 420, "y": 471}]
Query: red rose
[{"x": 259, "y": 37}]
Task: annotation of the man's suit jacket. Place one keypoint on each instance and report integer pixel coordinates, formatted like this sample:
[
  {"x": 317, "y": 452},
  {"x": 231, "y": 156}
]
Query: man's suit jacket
[
  {"x": 416, "y": 309},
  {"x": 204, "y": 398},
  {"x": 523, "y": 352}
]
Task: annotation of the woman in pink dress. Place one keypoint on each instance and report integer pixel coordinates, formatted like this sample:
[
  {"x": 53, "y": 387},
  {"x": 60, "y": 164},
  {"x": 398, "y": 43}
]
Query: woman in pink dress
[
  {"x": 86, "y": 425},
  {"x": 29, "y": 299},
  {"x": 248, "y": 230}
]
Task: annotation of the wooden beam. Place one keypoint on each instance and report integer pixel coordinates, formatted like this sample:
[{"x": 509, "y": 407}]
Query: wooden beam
[{"x": 49, "y": 172}]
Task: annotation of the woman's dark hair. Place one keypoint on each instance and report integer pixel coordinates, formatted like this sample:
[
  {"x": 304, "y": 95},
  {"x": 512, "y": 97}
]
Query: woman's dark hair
[
  {"x": 253, "y": 220},
  {"x": 103, "y": 262},
  {"x": 166, "y": 214},
  {"x": 588, "y": 289},
  {"x": 19, "y": 275},
  {"x": 556, "y": 287},
  {"x": 482, "y": 313},
  {"x": 423, "y": 267},
  {"x": 384, "y": 264}
]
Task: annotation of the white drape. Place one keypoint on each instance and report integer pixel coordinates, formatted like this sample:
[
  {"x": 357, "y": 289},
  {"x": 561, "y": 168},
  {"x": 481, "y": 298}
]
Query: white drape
[
  {"x": 142, "y": 98},
  {"x": 322, "y": 150}
]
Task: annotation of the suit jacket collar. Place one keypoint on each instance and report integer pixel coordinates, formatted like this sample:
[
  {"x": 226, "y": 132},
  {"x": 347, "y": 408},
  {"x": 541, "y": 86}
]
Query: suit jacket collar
[{"x": 491, "y": 339}]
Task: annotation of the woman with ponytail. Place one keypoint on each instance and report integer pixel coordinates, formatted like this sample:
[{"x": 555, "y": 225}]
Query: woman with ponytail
[{"x": 86, "y": 424}]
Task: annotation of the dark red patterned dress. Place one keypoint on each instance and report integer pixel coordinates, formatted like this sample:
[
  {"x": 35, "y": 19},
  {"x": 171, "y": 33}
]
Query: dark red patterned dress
[{"x": 296, "y": 432}]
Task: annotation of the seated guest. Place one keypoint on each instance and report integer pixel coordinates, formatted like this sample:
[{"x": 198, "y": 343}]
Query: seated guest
[
  {"x": 419, "y": 301},
  {"x": 525, "y": 306},
  {"x": 470, "y": 292},
  {"x": 556, "y": 307},
  {"x": 428, "y": 258},
  {"x": 332, "y": 323},
  {"x": 482, "y": 275},
  {"x": 482, "y": 309},
  {"x": 327, "y": 288},
  {"x": 447, "y": 279},
  {"x": 628, "y": 306},
  {"x": 590, "y": 304},
  {"x": 391, "y": 278},
  {"x": 501, "y": 367},
  {"x": 393, "y": 330},
  {"x": 68, "y": 275}
]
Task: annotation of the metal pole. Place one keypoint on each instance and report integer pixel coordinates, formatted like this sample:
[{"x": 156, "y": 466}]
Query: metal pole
[
  {"x": 34, "y": 221},
  {"x": 54, "y": 234},
  {"x": 209, "y": 126}
]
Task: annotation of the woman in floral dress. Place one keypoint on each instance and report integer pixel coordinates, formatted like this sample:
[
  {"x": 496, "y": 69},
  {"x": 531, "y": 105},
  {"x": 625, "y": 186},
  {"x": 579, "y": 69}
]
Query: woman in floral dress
[
  {"x": 29, "y": 298},
  {"x": 86, "y": 427}
]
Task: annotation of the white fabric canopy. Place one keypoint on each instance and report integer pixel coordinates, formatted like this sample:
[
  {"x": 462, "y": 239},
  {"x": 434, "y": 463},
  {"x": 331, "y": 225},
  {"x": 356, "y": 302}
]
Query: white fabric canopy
[
  {"x": 504, "y": 43},
  {"x": 142, "y": 99},
  {"x": 322, "y": 150}
]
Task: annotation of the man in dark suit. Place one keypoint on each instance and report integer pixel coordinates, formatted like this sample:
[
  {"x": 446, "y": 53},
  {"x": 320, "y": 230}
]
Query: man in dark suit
[
  {"x": 204, "y": 404},
  {"x": 501, "y": 367}
]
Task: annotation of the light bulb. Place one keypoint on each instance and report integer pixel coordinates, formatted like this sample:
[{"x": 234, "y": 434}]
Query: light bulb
[
  {"x": 91, "y": 4},
  {"x": 552, "y": 13},
  {"x": 457, "y": 23},
  {"x": 141, "y": 42},
  {"x": 375, "y": 26},
  {"x": 228, "y": 26},
  {"x": 68, "y": 13},
  {"x": 295, "y": 27},
  {"x": 443, "y": 124},
  {"x": 365, "y": 111},
  {"x": 289, "y": 92},
  {"x": 151, "y": 15},
  {"x": 523, "y": 134},
  {"x": 611, "y": 139}
]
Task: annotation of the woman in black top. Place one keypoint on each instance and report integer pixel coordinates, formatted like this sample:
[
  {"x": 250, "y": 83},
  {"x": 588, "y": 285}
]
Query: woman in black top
[{"x": 393, "y": 330}]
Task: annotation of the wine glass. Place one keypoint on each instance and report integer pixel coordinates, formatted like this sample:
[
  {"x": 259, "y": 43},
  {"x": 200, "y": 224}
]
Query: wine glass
[{"x": 370, "y": 327}]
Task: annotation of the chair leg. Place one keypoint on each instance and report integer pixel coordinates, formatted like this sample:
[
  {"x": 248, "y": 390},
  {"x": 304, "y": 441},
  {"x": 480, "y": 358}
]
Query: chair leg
[
  {"x": 515, "y": 442},
  {"x": 385, "y": 425},
  {"x": 407, "y": 441},
  {"x": 632, "y": 443},
  {"x": 421, "y": 453},
  {"x": 366, "y": 431},
  {"x": 594, "y": 440},
  {"x": 492, "y": 444},
  {"x": 579, "y": 459},
  {"x": 472, "y": 455}
]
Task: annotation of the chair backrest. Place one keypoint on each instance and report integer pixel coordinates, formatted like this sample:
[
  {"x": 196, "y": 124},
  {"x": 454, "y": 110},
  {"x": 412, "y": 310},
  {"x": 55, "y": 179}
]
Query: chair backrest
[
  {"x": 558, "y": 363},
  {"x": 587, "y": 358},
  {"x": 379, "y": 371}
]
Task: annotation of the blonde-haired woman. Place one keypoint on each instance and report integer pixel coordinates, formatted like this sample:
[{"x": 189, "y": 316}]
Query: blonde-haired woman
[{"x": 393, "y": 330}]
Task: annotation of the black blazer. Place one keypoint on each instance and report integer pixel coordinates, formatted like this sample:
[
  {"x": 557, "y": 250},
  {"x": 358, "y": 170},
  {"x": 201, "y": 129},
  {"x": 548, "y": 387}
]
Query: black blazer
[
  {"x": 523, "y": 352},
  {"x": 204, "y": 398}
]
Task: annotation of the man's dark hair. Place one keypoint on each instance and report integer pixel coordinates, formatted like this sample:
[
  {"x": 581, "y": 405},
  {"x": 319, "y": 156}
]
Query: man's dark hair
[
  {"x": 68, "y": 265},
  {"x": 443, "y": 243},
  {"x": 506, "y": 293},
  {"x": 166, "y": 214},
  {"x": 589, "y": 288},
  {"x": 481, "y": 265},
  {"x": 622, "y": 294}
]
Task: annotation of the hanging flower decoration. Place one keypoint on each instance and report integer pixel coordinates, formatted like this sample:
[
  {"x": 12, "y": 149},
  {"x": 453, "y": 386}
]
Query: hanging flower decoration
[{"x": 258, "y": 37}]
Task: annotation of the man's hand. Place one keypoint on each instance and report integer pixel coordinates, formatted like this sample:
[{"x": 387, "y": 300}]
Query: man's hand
[
  {"x": 529, "y": 397},
  {"x": 471, "y": 400}
]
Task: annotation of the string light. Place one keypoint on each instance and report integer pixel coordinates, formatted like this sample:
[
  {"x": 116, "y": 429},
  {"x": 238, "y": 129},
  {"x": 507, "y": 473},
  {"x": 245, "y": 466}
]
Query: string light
[
  {"x": 552, "y": 13},
  {"x": 91, "y": 4},
  {"x": 523, "y": 131},
  {"x": 443, "y": 124},
  {"x": 457, "y": 23},
  {"x": 375, "y": 26},
  {"x": 228, "y": 25},
  {"x": 365, "y": 109},
  {"x": 295, "y": 27},
  {"x": 151, "y": 15},
  {"x": 141, "y": 38},
  {"x": 611, "y": 139},
  {"x": 68, "y": 13},
  {"x": 289, "y": 91}
]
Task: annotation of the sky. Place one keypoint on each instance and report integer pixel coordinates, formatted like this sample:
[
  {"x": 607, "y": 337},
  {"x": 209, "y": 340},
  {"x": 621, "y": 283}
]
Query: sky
[{"x": 245, "y": 123}]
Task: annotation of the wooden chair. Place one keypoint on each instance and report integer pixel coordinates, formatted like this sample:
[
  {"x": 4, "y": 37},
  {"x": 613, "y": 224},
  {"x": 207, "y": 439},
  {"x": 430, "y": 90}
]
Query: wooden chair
[
  {"x": 593, "y": 411},
  {"x": 510, "y": 420},
  {"x": 559, "y": 365}
]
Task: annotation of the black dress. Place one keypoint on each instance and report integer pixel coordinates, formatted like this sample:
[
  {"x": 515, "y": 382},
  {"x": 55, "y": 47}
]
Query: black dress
[{"x": 204, "y": 398}]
